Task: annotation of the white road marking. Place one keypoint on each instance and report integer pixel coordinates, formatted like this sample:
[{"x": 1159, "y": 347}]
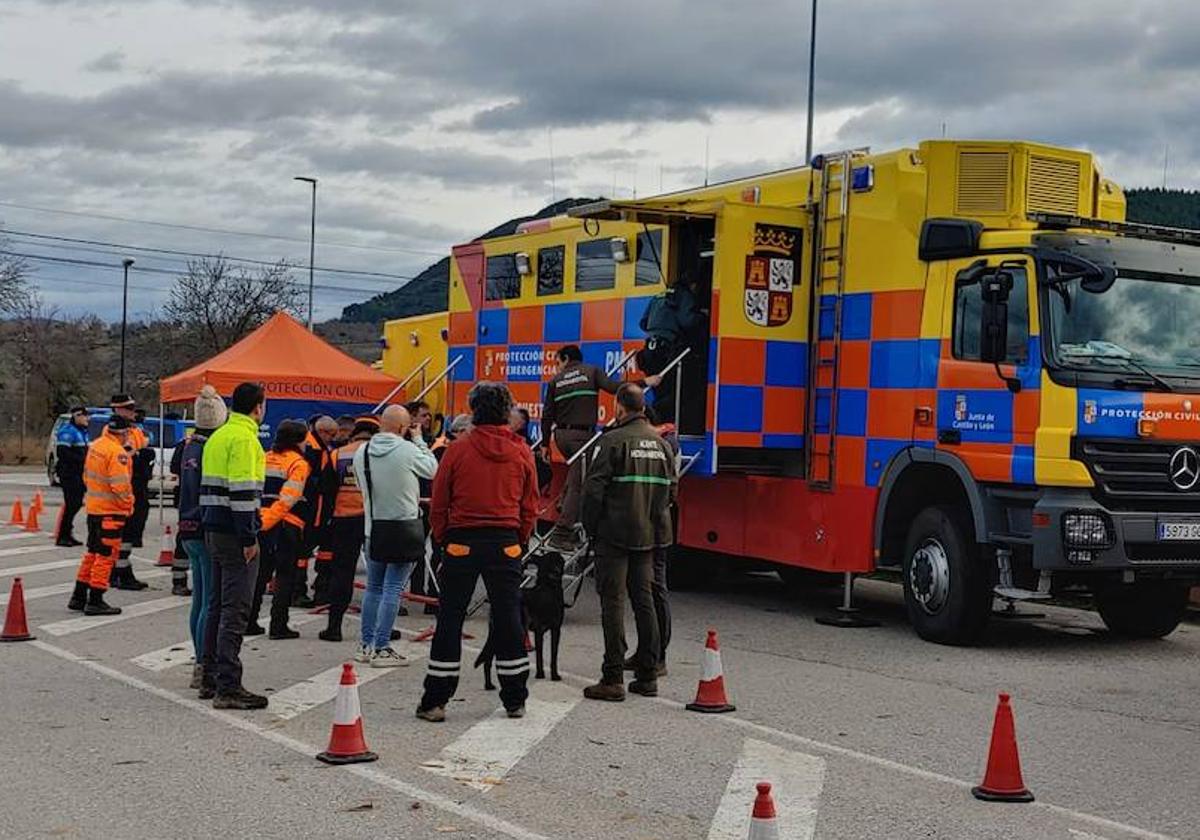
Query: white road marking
[
  {"x": 90, "y": 622},
  {"x": 182, "y": 653},
  {"x": 796, "y": 779},
  {"x": 370, "y": 773},
  {"x": 483, "y": 755},
  {"x": 19, "y": 535},
  {"x": 1076, "y": 834},
  {"x": 40, "y": 567},
  {"x": 31, "y": 549},
  {"x": 25, "y": 479},
  {"x": 868, "y": 758},
  {"x": 63, "y": 588},
  {"x": 321, "y": 688}
]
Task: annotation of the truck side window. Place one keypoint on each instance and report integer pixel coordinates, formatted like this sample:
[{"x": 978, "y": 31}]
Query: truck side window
[
  {"x": 550, "y": 270},
  {"x": 968, "y": 304},
  {"x": 649, "y": 255},
  {"x": 594, "y": 266},
  {"x": 503, "y": 281}
]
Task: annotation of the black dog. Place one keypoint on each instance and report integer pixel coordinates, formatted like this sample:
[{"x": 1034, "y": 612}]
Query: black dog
[{"x": 542, "y": 609}]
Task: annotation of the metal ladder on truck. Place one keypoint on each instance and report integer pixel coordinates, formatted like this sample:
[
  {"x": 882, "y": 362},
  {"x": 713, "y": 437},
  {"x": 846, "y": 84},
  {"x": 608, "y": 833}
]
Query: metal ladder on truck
[
  {"x": 831, "y": 228},
  {"x": 578, "y": 563}
]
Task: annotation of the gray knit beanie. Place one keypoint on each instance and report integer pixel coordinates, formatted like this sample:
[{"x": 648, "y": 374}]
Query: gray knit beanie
[{"x": 211, "y": 412}]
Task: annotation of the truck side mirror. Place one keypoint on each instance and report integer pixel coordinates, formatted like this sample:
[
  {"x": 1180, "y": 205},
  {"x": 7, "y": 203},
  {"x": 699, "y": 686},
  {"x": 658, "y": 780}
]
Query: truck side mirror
[{"x": 993, "y": 320}]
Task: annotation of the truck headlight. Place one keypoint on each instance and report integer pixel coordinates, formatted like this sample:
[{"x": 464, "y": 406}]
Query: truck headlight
[{"x": 1086, "y": 530}]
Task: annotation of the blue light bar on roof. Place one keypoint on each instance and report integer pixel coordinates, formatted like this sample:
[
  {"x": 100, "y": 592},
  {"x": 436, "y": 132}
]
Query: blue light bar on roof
[{"x": 862, "y": 178}]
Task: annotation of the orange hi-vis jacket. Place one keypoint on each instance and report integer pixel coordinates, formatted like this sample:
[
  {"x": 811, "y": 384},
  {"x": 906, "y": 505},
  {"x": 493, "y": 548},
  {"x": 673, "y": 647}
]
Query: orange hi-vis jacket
[
  {"x": 349, "y": 501},
  {"x": 107, "y": 474},
  {"x": 283, "y": 489}
]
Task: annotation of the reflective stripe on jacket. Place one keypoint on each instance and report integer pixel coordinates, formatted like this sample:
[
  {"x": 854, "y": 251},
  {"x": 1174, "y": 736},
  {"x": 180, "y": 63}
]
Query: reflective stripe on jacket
[
  {"x": 629, "y": 487},
  {"x": 232, "y": 473},
  {"x": 349, "y": 501},
  {"x": 283, "y": 489},
  {"x": 107, "y": 476}
]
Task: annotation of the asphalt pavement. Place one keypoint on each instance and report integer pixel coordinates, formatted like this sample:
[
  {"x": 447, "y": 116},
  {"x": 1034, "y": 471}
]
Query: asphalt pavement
[{"x": 866, "y": 733}]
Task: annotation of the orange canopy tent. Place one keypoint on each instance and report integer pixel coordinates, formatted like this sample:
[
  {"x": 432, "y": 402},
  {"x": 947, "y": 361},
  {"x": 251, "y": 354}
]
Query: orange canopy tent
[{"x": 302, "y": 374}]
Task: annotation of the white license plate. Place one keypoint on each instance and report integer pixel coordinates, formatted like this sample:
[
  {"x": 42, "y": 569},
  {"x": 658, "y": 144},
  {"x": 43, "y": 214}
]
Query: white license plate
[{"x": 1186, "y": 531}]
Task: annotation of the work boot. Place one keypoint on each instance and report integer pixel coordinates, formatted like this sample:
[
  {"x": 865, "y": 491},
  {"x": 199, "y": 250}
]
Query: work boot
[
  {"x": 78, "y": 597},
  {"x": 303, "y": 601},
  {"x": 283, "y": 632},
  {"x": 253, "y": 628},
  {"x": 207, "y": 690},
  {"x": 436, "y": 714},
  {"x": 96, "y": 604},
  {"x": 122, "y": 578},
  {"x": 612, "y": 692},
  {"x": 241, "y": 699},
  {"x": 68, "y": 542},
  {"x": 332, "y": 633},
  {"x": 516, "y": 711},
  {"x": 197, "y": 676},
  {"x": 646, "y": 688},
  {"x": 181, "y": 589}
]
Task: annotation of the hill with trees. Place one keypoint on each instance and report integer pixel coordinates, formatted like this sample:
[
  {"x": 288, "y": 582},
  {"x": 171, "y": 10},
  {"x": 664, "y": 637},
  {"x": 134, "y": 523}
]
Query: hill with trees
[{"x": 1156, "y": 206}]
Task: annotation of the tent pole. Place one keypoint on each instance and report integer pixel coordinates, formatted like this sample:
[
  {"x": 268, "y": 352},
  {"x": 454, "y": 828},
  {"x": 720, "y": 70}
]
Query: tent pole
[{"x": 161, "y": 466}]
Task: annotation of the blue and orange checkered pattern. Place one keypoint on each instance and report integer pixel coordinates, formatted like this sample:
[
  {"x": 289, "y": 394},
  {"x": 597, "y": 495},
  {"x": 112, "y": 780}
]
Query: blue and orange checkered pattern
[{"x": 758, "y": 387}]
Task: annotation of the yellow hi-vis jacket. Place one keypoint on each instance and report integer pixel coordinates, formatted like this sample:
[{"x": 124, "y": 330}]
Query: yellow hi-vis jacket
[{"x": 231, "y": 479}]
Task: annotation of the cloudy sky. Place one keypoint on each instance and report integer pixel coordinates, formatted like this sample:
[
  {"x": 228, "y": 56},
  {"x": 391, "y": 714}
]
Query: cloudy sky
[{"x": 179, "y": 124}]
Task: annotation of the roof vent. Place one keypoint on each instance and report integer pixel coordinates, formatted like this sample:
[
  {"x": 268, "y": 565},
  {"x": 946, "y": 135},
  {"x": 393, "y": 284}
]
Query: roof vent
[
  {"x": 1053, "y": 185},
  {"x": 983, "y": 179}
]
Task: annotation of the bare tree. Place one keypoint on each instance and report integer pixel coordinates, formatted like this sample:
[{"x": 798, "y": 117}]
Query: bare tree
[
  {"x": 13, "y": 271},
  {"x": 217, "y": 302},
  {"x": 61, "y": 356}
]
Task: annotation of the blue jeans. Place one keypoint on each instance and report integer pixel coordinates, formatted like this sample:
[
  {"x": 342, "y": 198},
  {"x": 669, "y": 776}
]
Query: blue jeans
[
  {"x": 381, "y": 600},
  {"x": 201, "y": 591}
]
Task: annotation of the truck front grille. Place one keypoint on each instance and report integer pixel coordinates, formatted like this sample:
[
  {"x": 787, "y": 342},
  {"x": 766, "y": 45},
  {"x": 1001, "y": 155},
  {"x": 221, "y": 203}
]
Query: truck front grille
[{"x": 1133, "y": 474}]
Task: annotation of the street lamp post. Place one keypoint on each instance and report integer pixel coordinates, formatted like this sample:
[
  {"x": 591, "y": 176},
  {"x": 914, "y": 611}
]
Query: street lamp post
[
  {"x": 312, "y": 245},
  {"x": 812, "y": 63},
  {"x": 124, "y": 317}
]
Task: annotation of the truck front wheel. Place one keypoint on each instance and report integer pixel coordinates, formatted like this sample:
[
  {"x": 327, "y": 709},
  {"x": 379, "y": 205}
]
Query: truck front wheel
[
  {"x": 1148, "y": 609},
  {"x": 947, "y": 586}
]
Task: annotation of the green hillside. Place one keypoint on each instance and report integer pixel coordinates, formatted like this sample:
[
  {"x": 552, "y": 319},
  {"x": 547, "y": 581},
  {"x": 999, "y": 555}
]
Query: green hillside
[{"x": 1156, "y": 206}]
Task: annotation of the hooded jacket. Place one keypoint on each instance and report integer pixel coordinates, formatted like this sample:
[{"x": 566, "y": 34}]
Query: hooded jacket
[
  {"x": 397, "y": 465},
  {"x": 486, "y": 480}
]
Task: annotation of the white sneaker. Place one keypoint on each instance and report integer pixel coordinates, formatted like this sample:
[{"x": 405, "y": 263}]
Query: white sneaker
[
  {"x": 388, "y": 658},
  {"x": 363, "y": 654}
]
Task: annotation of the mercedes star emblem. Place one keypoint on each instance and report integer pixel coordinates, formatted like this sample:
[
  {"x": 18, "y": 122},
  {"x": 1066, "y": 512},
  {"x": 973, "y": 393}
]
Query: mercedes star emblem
[{"x": 1185, "y": 468}]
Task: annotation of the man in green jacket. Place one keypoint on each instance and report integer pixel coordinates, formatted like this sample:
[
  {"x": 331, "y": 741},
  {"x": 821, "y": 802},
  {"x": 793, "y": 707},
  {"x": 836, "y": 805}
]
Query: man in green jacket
[
  {"x": 627, "y": 496},
  {"x": 231, "y": 481}
]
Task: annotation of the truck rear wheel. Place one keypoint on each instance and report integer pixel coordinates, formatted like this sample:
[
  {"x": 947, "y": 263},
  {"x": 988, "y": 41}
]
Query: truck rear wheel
[
  {"x": 1148, "y": 609},
  {"x": 947, "y": 586}
]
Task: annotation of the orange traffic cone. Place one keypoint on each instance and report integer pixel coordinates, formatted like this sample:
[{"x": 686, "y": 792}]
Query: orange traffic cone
[
  {"x": 38, "y": 502},
  {"x": 1002, "y": 781},
  {"x": 18, "y": 515},
  {"x": 346, "y": 742},
  {"x": 31, "y": 521},
  {"x": 763, "y": 825},
  {"x": 166, "y": 549},
  {"x": 16, "y": 629},
  {"x": 710, "y": 694}
]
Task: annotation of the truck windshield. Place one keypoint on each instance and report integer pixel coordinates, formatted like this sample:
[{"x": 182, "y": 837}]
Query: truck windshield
[{"x": 1143, "y": 326}]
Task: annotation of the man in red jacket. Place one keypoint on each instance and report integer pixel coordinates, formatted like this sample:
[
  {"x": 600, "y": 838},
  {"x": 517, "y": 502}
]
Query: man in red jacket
[{"x": 483, "y": 511}]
